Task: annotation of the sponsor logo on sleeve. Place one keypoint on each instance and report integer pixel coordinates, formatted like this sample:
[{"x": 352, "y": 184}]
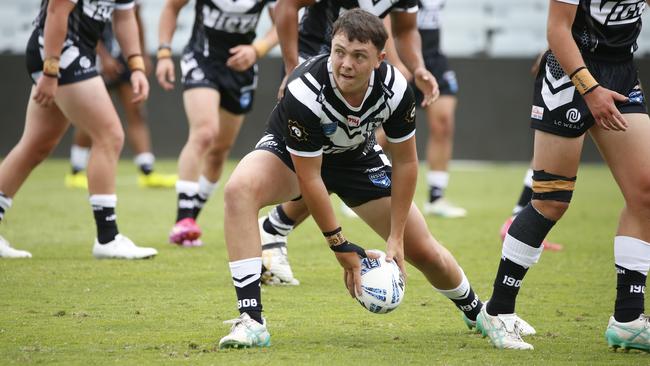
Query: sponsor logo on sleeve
[
  {"x": 410, "y": 116},
  {"x": 537, "y": 112}
]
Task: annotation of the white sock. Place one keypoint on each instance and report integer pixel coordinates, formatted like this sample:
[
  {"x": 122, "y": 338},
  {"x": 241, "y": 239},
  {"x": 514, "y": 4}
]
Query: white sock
[
  {"x": 632, "y": 254},
  {"x": 438, "y": 178},
  {"x": 206, "y": 188},
  {"x": 79, "y": 157},
  {"x": 145, "y": 158}
]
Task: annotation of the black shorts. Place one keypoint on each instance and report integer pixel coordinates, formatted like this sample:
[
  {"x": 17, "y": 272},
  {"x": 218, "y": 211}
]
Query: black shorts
[
  {"x": 76, "y": 63},
  {"x": 560, "y": 110},
  {"x": 356, "y": 178},
  {"x": 123, "y": 78},
  {"x": 437, "y": 64},
  {"x": 237, "y": 89}
]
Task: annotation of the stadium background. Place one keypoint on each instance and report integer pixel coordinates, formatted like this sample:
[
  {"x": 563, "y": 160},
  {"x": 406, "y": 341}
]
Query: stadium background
[{"x": 491, "y": 45}]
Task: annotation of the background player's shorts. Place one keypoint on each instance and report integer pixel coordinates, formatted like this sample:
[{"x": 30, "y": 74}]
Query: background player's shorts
[
  {"x": 76, "y": 62},
  {"x": 123, "y": 78},
  {"x": 355, "y": 177},
  {"x": 560, "y": 110},
  {"x": 237, "y": 89},
  {"x": 437, "y": 64}
]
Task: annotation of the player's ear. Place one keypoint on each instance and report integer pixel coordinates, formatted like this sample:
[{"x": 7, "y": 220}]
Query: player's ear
[{"x": 380, "y": 58}]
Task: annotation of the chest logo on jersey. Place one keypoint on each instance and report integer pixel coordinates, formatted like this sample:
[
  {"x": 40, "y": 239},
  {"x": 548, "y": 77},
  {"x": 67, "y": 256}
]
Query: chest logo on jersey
[
  {"x": 229, "y": 22},
  {"x": 101, "y": 10},
  {"x": 354, "y": 121},
  {"x": 297, "y": 131},
  {"x": 617, "y": 12}
]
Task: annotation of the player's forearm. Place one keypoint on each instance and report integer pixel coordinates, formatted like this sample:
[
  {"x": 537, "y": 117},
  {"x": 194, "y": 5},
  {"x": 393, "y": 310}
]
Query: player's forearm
[
  {"x": 559, "y": 36},
  {"x": 56, "y": 27},
  {"x": 126, "y": 30},
  {"x": 409, "y": 48},
  {"x": 167, "y": 22},
  {"x": 138, "y": 20},
  {"x": 404, "y": 180},
  {"x": 286, "y": 22},
  {"x": 316, "y": 197}
]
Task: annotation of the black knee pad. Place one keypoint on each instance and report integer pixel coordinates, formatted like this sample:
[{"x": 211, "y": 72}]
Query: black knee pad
[{"x": 551, "y": 187}]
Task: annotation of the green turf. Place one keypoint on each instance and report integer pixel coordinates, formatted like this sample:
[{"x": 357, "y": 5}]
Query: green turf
[{"x": 64, "y": 307}]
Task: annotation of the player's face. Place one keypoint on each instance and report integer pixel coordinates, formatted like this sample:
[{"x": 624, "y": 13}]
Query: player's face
[{"x": 353, "y": 63}]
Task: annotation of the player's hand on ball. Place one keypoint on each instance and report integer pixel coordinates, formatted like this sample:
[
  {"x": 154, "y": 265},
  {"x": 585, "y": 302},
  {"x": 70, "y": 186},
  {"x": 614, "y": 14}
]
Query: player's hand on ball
[
  {"x": 352, "y": 269},
  {"x": 395, "y": 252}
]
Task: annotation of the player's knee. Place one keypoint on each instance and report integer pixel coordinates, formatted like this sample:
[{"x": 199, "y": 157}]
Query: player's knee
[
  {"x": 203, "y": 135},
  {"x": 442, "y": 126},
  {"x": 239, "y": 193},
  {"x": 639, "y": 197},
  {"x": 552, "y": 193},
  {"x": 219, "y": 151}
]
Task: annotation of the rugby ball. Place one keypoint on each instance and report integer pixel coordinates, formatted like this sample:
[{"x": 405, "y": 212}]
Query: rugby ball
[{"x": 382, "y": 284}]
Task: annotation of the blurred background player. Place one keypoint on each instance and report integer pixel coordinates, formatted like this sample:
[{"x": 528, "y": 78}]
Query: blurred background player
[
  {"x": 440, "y": 114},
  {"x": 60, "y": 59},
  {"x": 313, "y": 37},
  {"x": 116, "y": 74},
  {"x": 588, "y": 82},
  {"x": 219, "y": 76}
]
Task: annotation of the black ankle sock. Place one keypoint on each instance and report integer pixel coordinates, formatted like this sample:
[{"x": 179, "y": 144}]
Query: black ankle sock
[
  {"x": 506, "y": 287},
  {"x": 185, "y": 207},
  {"x": 249, "y": 299},
  {"x": 470, "y": 305},
  {"x": 630, "y": 291},
  {"x": 525, "y": 197},
  {"x": 199, "y": 202},
  {"x": 435, "y": 193},
  {"x": 146, "y": 169},
  {"x": 268, "y": 227},
  {"x": 105, "y": 219}
]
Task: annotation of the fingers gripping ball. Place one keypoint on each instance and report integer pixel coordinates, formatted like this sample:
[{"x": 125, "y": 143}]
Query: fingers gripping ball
[{"x": 382, "y": 284}]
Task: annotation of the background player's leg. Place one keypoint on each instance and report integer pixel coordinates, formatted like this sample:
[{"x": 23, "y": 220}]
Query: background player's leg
[
  {"x": 627, "y": 153},
  {"x": 201, "y": 108},
  {"x": 440, "y": 116},
  {"x": 79, "y": 153}
]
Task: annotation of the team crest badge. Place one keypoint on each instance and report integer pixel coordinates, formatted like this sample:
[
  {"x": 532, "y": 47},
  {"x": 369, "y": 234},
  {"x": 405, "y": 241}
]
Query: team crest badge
[{"x": 297, "y": 131}]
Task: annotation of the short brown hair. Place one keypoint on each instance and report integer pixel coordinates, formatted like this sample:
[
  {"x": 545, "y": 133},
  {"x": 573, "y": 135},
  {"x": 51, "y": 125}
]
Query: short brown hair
[{"x": 359, "y": 25}]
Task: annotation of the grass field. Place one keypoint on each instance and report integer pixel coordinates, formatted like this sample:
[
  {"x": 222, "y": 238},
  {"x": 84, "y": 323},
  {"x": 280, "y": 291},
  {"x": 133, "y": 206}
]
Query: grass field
[{"x": 64, "y": 307}]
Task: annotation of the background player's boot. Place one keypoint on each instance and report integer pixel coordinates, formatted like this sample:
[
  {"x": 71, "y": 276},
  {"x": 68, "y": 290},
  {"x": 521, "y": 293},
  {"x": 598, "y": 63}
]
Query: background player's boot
[
  {"x": 443, "y": 208},
  {"x": 629, "y": 335},
  {"x": 246, "y": 333},
  {"x": 185, "y": 232},
  {"x": 77, "y": 180},
  {"x": 6, "y": 251},
  {"x": 156, "y": 180},
  {"x": 122, "y": 248},
  {"x": 276, "y": 269}
]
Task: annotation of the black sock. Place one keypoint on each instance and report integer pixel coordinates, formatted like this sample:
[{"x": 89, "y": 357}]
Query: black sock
[
  {"x": 106, "y": 222},
  {"x": 470, "y": 305},
  {"x": 506, "y": 287},
  {"x": 525, "y": 197},
  {"x": 246, "y": 275},
  {"x": 5, "y": 202},
  {"x": 199, "y": 202},
  {"x": 630, "y": 291},
  {"x": 268, "y": 227},
  {"x": 146, "y": 169},
  {"x": 185, "y": 208},
  {"x": 76, "y": 170},
  {"x": 277, "y": 222},
  {"x": 435, "y": 193}
]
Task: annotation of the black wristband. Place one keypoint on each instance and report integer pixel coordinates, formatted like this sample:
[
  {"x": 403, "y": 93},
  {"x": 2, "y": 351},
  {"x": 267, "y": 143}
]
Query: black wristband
[
  {"x": 333, "y": 232},
  {"x": 348, "y": 247}
]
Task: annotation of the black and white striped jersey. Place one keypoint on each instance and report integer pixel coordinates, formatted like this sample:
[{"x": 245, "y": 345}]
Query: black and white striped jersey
[
  {"x": 314, "y": 118},
  {"x": 429, "y": 25},
  {"x": 607, "y": 29},
  {"x": 87, "y": 20},
  {"x": 222, "y": 24},
  {"x": 315, "y": 29}
]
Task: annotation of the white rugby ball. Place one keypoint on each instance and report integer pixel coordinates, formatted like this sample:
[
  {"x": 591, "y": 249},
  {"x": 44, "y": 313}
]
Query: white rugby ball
[{"x": 382, "y": 284}]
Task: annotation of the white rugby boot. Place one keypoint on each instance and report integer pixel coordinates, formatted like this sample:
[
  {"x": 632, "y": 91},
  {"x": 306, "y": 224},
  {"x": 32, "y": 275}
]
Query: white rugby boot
[
  {"x": 245, "y": 333},
  {"x": 122, "y": 248},
  {"x": 276, "y": 269},
  {"x": 525, "y": 328},
  {"x": 629, "y": 335},
  {"x": 6, "y": 251},
  {"x": 504, "y": 330},
  {"x": 443, "y": 208}
]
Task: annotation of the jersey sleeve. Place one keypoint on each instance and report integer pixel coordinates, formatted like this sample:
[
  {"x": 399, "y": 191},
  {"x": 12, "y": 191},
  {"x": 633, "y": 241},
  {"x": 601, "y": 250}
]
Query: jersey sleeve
[
  {"x": 124, "y": 4},
  {"x": 400, "y": 126},
  {"x": 304, "y": 135},
  {"x": 409, "y": 6}
]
